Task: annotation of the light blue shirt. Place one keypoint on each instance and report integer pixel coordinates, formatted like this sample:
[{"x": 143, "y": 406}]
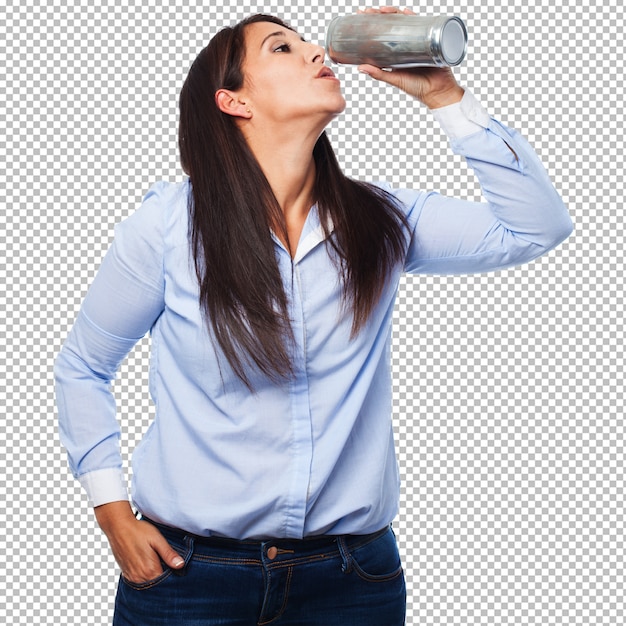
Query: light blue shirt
[{"x": 314, "y": 455}]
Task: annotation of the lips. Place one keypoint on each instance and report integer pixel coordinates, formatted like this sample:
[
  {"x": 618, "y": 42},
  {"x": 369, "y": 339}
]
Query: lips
[{"x": 325, "y": 72}]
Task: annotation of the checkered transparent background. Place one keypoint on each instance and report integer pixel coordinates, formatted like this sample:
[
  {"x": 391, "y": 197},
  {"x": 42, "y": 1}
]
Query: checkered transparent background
[{"x": 508, "y": 392}]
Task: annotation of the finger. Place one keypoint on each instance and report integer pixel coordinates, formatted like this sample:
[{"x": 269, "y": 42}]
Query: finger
[
  {"x": 375, "y": 72},
  {"x": 140, "y": 565},
  {"x": 412, "y": 84},
  {"x": 166, "y": 552},
  {"x": 386, "y": 10}
]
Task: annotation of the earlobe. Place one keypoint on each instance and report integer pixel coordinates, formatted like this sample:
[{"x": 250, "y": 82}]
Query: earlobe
[{"x": 228, "y": 102}]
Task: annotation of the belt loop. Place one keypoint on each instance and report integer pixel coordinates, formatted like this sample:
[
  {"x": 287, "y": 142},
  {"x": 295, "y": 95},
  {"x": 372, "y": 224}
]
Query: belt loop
[
  {"x": 189, "y": 542},
  {"x": 346, "y": 557}
]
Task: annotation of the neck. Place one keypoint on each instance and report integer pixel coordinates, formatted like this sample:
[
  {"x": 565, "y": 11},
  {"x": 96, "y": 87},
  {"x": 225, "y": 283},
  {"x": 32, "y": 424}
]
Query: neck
[{"x": 286, "y": 159}]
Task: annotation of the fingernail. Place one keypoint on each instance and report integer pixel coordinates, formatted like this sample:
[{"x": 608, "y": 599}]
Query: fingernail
[
  {"x": 364, "y": 72},
  {"x": 178, "y": 562}
]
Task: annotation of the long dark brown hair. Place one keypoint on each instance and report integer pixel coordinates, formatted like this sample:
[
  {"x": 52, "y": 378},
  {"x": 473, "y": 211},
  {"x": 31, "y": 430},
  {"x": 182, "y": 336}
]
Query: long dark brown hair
[{"x": 232, "y": 210}]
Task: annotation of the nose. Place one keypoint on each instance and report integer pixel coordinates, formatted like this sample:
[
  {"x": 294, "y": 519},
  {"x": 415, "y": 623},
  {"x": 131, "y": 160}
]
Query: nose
[{"x": 317, "y": 53}]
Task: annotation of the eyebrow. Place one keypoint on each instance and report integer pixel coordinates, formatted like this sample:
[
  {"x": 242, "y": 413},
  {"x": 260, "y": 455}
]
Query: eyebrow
[{"x": 278, "y": 33}]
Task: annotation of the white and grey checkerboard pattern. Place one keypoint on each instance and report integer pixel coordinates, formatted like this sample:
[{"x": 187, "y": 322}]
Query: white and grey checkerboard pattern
[{"x": 508, "y": 392}]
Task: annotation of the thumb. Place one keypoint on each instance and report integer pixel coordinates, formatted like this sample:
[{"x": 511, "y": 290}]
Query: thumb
[
  {"x": 386, "y": 76},
  {"x": 167, "y": 553},
  {"x": 373, "y": 71}
]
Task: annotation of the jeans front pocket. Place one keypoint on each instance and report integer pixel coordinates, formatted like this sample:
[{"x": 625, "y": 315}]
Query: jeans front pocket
[
  {"x": 148, "y": 584},
  {"x": 378, "y": 560},
  {"x": 185, "y": 552}
]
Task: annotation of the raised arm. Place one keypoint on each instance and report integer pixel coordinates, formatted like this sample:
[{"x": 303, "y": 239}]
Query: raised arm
[{"x": 522, "y": 217}]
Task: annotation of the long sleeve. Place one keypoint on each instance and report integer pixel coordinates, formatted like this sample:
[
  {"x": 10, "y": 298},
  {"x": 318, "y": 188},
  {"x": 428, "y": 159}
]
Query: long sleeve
[
  {"x": 522, "y": 217},
  {"x": 121, "y": 306}
]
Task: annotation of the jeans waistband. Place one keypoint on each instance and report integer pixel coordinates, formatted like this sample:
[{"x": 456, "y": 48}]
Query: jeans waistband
[{"x": 253, "y": 547}]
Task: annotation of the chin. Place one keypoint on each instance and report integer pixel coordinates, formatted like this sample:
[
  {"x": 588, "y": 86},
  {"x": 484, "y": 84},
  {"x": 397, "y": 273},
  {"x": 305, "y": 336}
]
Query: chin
[
  {"x": 341, "y": 106},
  {"x": 335, "y": 113}
]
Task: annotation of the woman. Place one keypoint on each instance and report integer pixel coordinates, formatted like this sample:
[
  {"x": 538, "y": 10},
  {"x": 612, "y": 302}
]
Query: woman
[{"x": 267, "y": 482}]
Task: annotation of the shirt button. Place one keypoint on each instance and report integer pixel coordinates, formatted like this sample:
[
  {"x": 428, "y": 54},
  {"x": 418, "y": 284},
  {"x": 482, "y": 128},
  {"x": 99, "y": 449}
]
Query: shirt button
[{"x": 272, "y": 552}]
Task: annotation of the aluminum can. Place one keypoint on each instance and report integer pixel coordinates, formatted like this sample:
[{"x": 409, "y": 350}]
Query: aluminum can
[{"x": 394, "y": 40}]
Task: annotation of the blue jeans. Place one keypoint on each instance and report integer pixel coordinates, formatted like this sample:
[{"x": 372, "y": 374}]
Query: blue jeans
[{"x": 322, "y": 581}]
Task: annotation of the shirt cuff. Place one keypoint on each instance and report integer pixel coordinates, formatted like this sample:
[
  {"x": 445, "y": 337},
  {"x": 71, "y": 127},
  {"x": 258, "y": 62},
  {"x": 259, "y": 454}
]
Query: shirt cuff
[
  {"x": 104, "y": 486},
  {"x": 462, "y": 118}
]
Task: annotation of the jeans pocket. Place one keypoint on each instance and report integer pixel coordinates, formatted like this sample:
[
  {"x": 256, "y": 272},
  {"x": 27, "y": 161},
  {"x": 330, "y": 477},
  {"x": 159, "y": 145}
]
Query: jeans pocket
[
  {"x": 148, "y": 584},
  {"x": 185, "y": 552},
  {"x": 378, "y": 560}
]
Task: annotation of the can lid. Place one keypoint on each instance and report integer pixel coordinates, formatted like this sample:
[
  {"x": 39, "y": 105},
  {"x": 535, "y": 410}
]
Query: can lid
[{"x": 453, "y": 41}]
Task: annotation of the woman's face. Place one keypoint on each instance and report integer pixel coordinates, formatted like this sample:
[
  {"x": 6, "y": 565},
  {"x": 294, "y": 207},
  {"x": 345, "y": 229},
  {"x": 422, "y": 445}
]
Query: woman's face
[{"x": 285, "y": 78}]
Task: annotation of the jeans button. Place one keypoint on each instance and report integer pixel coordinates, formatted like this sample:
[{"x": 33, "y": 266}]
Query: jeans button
[{"x": 272, "y": 552}]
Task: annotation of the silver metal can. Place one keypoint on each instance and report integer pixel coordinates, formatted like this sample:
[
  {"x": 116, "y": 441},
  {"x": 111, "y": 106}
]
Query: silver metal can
[{"x": 395, "y": 40}]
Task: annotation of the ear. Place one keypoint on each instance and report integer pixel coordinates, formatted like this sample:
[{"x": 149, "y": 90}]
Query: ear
[{"x": 229, "y": 102}]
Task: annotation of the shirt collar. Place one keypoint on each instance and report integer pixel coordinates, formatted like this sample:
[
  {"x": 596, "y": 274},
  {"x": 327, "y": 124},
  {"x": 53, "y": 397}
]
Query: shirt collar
[{"x": 312, "y": 234}]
